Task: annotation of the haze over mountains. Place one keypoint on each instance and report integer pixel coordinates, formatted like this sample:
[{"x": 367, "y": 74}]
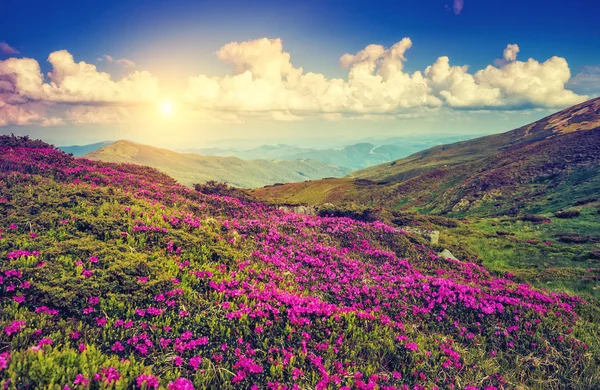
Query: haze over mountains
[
  {"x": 191, "y": 168},
  {"x": 363, "y": 154}
]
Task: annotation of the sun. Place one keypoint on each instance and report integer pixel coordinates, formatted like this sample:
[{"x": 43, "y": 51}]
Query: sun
[{"x": 166, "y": 107}]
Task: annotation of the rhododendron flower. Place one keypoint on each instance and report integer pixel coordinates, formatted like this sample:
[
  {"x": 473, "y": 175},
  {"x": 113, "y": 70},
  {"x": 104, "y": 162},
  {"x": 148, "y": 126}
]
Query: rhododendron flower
[
  {"x": 15, "y": 327},
  {"x": 180, "y": 384},
  {"x": 117, "y": 347},
  {"x": 177, "y": 361},
  {"x": 19, "y": 298},
  {"x": 81, "y": 380},
  {"x": 4, "y": 360},
  {"x": 88, "y": 310},
  {"x": 195, "y": 362},
  {"x": 411, "y": 346},
  {"x": 93, "y": 259},
  {"x": 45, "y": 341},
  {"x": 150, "y": 381}
]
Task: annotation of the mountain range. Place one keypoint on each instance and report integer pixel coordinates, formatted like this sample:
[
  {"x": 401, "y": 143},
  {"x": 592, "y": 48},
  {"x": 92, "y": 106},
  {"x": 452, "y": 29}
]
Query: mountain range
[
  {"x": 355, "y": 156},
  {"x": 554, "y": 161},
  {"x": 192, "y": 168}
]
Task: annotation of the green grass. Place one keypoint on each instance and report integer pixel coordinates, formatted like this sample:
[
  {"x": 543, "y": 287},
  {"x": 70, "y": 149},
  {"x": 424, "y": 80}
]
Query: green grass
[{"x": 558, "y": 266}]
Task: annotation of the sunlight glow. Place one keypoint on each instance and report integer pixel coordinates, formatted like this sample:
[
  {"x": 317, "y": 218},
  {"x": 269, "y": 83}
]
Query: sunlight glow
[{"x": 166, "y": 107}]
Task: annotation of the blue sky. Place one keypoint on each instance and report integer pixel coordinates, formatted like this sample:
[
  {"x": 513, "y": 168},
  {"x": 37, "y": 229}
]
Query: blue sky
[{"x": 177, "y": 40}]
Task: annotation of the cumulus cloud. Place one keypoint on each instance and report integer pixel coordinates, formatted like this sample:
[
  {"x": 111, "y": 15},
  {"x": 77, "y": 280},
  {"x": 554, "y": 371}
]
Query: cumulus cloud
[
  {"x": 7, "y": 49},
  {"x": 123, "y": 61},
  {"x": 265, "y": 83},
  {"x": 24, "y": 90},
  {"x": 265, "y": 80},
  {"x": 74, "y": 82},
  {"x": 511, "y": 51}
]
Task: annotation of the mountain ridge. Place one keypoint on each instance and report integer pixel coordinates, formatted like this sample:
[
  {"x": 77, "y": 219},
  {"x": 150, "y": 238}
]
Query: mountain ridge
[
  {"x": 190, "y": 168},
  {"x": 498, "y": 171}
]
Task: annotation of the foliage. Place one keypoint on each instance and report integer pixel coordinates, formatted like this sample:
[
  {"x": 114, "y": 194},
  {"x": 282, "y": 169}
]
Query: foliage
[{"x": 114, "y": 276}]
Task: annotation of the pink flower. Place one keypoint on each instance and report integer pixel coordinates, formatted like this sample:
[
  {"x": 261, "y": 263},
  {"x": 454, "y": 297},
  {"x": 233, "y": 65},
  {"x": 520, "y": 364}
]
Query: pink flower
[
  {"x": 117, "y": 347},
  {"x": 81, "y": 380},
  {"x": 93, "y": 259},
  {"x": 15, "y": 327},
  {"x": 142, "y": 279},
  {"x": 82, "y": 348},
  {"x": 195, "y": 362},
  {"x": 4, "y": 359},
  {"x": 19, "y": 298},
  {"x": 411, "y": 346},
  {"x": 88, "y": 310},
  {"x": 180, "y": 384},
  {"x": 45, "y": 341},
  {"x": 150, "y": 381},
  {"x": 177, "y": 361}
]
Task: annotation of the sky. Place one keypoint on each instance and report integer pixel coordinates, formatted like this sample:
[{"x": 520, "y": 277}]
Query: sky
[{"x": 194, "y": 73}]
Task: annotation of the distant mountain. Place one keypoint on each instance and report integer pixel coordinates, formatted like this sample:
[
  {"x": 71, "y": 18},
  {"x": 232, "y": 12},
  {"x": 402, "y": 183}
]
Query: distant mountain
[
  {"x": 80, "y": 150},
  {"x": 269, "y": 152},
  {"x": 355, "y": 156},
  {"x": 549, "y": 164},
  {"x": 191, "y": 168}
]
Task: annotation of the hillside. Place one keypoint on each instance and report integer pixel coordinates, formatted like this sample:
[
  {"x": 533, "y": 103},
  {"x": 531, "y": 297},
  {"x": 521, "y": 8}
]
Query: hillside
[
  {"x": 80, "y": 150},
  {"x": 115, "y": 276},
  {"x": 502, "y": 174},
  {"x": 581, "y": 117},
  {"x": 524, "y": 202},
  {"x": 190, "y": 168}
]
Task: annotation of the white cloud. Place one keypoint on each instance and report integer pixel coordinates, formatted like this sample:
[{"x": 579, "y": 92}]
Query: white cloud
[
  {"x": 16, "y": 115},
  {"x": 511, "y": 51},
  {"x": 264, "y": 80},
  {"x": 264, "y": 83},
  {"x": 23, "y": 88},
  {"x": 457, "y": 7},
  {"x": 98, "y": 115},
  {"x": 7, "y": 49},
  {"x": 587, "y": 81},
  {"x": 123, "y": 61},
  {"x": 72, "y": 82},
  {"x": 52, "y": 122}
]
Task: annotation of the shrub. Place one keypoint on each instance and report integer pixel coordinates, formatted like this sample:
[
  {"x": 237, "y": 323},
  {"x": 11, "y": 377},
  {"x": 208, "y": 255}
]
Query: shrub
[
  {"x": 534, "y": 218},
  {"x": 567, "y": 214}
]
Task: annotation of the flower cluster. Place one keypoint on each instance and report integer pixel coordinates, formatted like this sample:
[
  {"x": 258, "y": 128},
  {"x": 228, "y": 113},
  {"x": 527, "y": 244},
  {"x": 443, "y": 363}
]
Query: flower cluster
[{"x": 133, "y": 281}]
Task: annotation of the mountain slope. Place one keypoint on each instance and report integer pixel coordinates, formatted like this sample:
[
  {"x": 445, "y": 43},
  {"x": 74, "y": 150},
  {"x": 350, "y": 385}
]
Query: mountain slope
[
  {"x": 190, "y": 168},
  {"x": 80, "y": 150},
  {"x": 557, "y": 157},
  {"x": 115, "y": 276},
  {"x": 584, "y": 116}
]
